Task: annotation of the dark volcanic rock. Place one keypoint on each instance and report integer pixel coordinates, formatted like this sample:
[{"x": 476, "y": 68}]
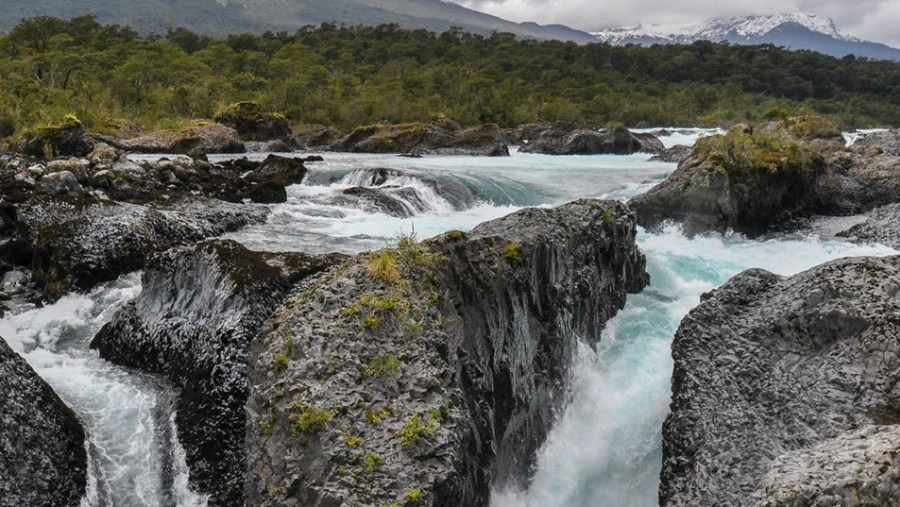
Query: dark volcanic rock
[
  {"x": 618, "y": 141},
  {"x": 308, "y": 137},
  {"x": 254, "y": 124},
  {"x": 438, "y": 138},
  {"x": 66, "y": 139},
  {"x": 442, "y": 377},
  {"x": 193, "y": 322},
  {"x": 284, "y": 171},
  {"x": 78, "y": 245},
  {"x": 43, "y": 461},
  {"x": 196, "y": 139},
  {"x": 675, "y": 154},
  {"x": 715, "y": 190},
  {"x": 785, "y": 391},
  {"x": 888, "y": 141},
  {"x": 402, "y": 202},
  {"x": 265, "y": 193}
]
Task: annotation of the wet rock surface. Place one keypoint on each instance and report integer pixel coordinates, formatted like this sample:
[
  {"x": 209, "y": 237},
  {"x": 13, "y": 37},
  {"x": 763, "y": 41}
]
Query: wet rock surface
[
  {"x": 619, "y": 141},
  {"x": 43, "y": 461},
  {"x": 193, "y": 322},
  {"x": 437, "y": 138},
  {"x": 785, "y": 391},
  {"x": 881, "y": 226},
  {"x": 426, "y": 384}
]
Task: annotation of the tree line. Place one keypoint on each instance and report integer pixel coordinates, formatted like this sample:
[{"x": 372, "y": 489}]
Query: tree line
[{"x": 114, "y": 79}]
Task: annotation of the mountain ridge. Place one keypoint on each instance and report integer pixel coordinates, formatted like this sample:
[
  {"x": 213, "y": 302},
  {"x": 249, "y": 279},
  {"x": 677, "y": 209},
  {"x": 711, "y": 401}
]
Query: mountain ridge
[
  {"x": 220, "y": 17},
  {"x": 792, "y": 29}
]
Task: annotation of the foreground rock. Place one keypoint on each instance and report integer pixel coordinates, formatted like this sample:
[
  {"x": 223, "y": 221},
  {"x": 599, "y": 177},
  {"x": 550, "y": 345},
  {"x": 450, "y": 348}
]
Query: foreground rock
[
  {"x": 785, "y": 391},
  {"x": 422, "y": 375},
  {"x": 193, "y": 322},
  {"x": 616, "y": 141},
  {"x": 193, "y": 140},
  {"x": 43, "y": 461},
  {"x": 751, "y": 180},
  {"x": 75, "y": 245},
  {"x": 438, "y": 138}
]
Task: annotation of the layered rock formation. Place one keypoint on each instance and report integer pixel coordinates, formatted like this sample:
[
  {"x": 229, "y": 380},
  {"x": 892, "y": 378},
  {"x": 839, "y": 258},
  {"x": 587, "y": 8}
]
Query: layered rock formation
[
  {"x": 193, "y": 322},
  {"x": 556, "y": 140},
  {"x": 43, "y": 461},
  {"x": 423, "y": 374},
  {"x": 785, "y": 391},
  {"x": 753, "y": 179}
]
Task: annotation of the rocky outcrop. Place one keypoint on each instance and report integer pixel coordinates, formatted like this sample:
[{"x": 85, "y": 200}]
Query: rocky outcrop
[
  {"x": 438, "y": 138},
  {"x": 402, "y": 202},
  {"x": 423, "y": 374},
  {"x": 193, "y": 322},
  {"x": 193, "y": 140},
  {"x": 76, "y": 245},
  {"x": 311, "y": 137},
  {"x": 752, "y": 180},
  {"x": 43, "y": 461},
  {"x": 252, "y": 123},
  {"x": 66, "y": 138},
  {"x": 888, "y": 141},
  {"x": 785, "y": 391},
  {"x": 674, "y": 154},
  {"x": 283, "y": 171},
  {"x": 617, "y": 141}
]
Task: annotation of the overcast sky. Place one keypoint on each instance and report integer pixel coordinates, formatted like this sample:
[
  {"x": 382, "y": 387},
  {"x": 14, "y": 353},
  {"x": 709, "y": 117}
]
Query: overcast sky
[{"x": 876, "y": 20}]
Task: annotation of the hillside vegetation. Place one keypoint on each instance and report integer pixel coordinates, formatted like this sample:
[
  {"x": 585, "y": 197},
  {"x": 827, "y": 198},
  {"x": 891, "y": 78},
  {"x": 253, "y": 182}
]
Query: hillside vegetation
[{"x": 111, "y": 78}]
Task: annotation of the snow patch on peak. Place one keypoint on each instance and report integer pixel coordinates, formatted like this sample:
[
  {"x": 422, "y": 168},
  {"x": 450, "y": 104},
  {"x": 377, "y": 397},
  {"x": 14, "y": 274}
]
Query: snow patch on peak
[{"x": 718, "y": 29}]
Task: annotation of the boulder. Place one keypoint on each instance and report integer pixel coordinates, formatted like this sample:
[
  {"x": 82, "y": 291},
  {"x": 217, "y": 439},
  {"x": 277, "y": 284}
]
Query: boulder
[
  {"x": 265, "y": 193},
  {"x": 439, "y": 138},
  {"x": 60, "y": 183},
  {"x": 196, "y": 139},
  {"x": 78, "y": 245},
  {"x": 402, "y": 202},
  {"x": 284, "y": 171},
  {"x": 425, "y": 374},
  {"x": 784, "y": 391},
  {"x": 881, "y": 226},
  {"x": 310, "y": 137},
  {"x": 751, "y": 180},
  {"x": 66, "y": 138},
  {"x": 193, "y": 322},
  {"x": 617, "y": 141},
  {"x": 103, "y": 154},
  {"x": 43, "y": 459},
  {"x": 252, "y": 123}
]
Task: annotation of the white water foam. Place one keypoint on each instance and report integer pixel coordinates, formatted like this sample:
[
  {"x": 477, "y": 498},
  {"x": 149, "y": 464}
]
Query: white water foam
[{"x": 606, "y": 448}]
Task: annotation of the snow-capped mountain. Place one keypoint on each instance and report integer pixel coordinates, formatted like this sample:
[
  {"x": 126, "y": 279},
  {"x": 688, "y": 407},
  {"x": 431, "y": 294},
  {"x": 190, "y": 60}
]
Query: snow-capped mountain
[{"x": 794, "y": 30}]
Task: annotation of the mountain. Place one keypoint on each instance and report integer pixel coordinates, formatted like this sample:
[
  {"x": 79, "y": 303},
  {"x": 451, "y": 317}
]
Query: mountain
[
  {"x": 217, "y": 17},
  {"x": 793, "y": 30}
]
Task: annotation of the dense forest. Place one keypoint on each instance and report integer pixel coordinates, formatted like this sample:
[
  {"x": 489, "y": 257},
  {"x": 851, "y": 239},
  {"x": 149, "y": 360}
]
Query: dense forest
[{"x": 112, "y": 78}]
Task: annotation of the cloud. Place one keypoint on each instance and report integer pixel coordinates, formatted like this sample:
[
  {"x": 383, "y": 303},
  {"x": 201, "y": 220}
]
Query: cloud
[{"x": 868, "y": 19}]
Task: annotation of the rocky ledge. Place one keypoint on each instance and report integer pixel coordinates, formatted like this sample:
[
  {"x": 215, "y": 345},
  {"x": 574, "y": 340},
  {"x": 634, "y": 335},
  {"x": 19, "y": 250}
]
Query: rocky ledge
[
  {"x": 785, "y": 391},
  {"x": 444, "y": 137},
  {"x": 559, "y": 139},
  {"x": 425, "y": 373},
  {"x": 43, "y": 460},
  {"x": 193, "y": 322},
  {"x": 753, "y": 179}
]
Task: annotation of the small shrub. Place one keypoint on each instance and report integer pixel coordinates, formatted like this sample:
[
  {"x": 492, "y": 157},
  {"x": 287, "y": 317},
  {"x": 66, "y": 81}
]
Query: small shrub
[
  {"x": 385, "y": 367},
  {"x": 413, "y": 497},
  {"x": 607, "y": 216},
  {"x": 352, "y": 440},
  {"x": 383, "y": 267},
  {"x": 374, "y": 417},
  {"x": 308, "y": 419},
  {"x": 267, "y": 424},
  {"x": 372, "y": 322},
  {"x": 415, "y": 429},
  {"x": 511, "y": 252},
  {"x": 372, "y": 462},
  {"x": 351, "y": 310},
  {"x": 279, "y": 362}
]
